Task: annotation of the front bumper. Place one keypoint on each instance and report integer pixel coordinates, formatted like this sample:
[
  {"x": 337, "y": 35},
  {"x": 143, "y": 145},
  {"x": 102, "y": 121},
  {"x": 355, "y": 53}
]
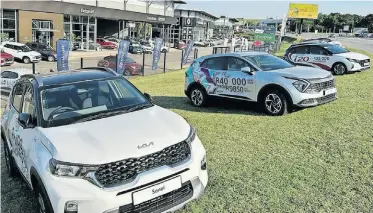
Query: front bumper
[
  {"x": 357, "y": 67},
  {"x": 92, "y": 199},
  {"x": 35, "y": 59},
  {"x": 310, "y": 100}
]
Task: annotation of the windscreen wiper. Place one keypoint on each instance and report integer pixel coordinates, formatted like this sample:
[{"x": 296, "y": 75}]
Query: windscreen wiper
[{"x": 138, "y": 107}]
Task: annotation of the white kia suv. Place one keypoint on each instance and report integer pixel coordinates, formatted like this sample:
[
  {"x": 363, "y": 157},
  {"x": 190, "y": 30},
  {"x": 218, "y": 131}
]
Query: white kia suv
[
  {"x": 21, "y": 52},
  {"x": 89, "y": 141}
]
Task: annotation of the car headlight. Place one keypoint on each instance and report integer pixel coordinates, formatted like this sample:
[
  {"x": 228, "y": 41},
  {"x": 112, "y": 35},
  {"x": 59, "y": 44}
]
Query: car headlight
[
  {"x": 353, "y": 60},
  {"x": 301, "y": 85},
  {"x": 191, "y": 136},
  {"x": 64, "y": 169}
]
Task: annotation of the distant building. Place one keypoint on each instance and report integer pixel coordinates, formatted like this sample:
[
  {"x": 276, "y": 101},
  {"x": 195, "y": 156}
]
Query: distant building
[{"x": 224, "y": 27}]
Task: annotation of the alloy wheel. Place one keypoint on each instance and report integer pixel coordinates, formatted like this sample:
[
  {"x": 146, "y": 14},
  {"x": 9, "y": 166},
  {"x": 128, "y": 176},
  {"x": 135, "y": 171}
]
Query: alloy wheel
[
  {"x": 50, "y": 58},
  {"x": 273, "y": 103},
  {"x": 197, "y": 97},
  {"x": 339, "y": 69},
  {"x": 26, "y": 60}
]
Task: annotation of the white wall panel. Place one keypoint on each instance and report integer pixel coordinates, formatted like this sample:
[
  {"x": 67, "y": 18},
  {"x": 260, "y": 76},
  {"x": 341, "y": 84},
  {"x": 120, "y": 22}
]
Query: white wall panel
[{"x": 114, "y": 4}]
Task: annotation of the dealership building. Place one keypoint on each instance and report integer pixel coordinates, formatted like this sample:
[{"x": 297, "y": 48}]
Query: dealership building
[
  {"x": 192, "y": 24},
  {"x": 85, "y": 21}
]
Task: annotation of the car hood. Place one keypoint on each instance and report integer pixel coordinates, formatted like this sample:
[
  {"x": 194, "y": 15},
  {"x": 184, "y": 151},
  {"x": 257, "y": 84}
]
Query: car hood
[
  {"x": 5, "y": 55},
  {"x": 116, "y": 138},
  {"x": 33, "y": 53},
  {"x": 302, "y": 72},
  {"x": 353, "y": 55}
]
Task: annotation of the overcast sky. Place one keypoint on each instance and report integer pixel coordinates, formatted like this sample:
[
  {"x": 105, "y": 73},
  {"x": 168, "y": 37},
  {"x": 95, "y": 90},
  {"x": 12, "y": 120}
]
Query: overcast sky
[{"x": 264, "y": 9}]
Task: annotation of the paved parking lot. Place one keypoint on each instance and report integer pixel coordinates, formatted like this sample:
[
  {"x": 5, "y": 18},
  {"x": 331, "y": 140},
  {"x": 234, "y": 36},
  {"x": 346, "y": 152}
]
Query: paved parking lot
[{"x": 90, "y": 59}]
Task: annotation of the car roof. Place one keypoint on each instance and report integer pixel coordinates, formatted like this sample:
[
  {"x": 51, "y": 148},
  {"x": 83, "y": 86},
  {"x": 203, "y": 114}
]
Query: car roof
[
  {"x": 86, "y": 74},
  {"x": 235, "y": 54},
  {"x": 19, "y": 70},
  {"x": 312, "y": 44},
  {"x": 13, "y": 43}
]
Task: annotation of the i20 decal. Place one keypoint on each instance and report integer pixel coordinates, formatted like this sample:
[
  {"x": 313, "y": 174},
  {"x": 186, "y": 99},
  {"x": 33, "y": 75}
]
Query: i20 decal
[{"x": 301, "y": 59}]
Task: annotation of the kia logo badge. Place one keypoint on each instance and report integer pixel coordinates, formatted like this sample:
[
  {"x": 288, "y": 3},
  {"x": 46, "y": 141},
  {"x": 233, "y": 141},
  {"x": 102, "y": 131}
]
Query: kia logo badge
[{"x": 145, "y": 145}]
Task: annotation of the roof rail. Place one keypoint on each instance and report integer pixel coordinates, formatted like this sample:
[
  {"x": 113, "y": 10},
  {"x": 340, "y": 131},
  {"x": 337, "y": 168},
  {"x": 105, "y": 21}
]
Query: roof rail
[
  {"x": 36, "y": 77},
  {"x": 102, "y": 69}
]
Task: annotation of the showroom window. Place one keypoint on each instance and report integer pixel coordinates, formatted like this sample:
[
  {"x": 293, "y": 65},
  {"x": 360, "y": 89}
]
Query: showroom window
[
  {"x": 8, "y": 25},
  {"x": 81, "y": 31}
]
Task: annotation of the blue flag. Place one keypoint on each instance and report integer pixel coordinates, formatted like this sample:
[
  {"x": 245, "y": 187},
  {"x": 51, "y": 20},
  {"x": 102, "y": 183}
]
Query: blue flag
[
  {"x": 187, "y": 51},
  {"x": 157, "y": 53},
  {"x": 62, "y": 49},
  {"x": 122, "y": 55}
]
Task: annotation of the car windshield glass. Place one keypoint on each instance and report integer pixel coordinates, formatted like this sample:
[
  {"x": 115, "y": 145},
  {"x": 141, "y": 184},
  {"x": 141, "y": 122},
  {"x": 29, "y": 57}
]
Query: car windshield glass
[
  {"x": 25, "y": 48},
  {"x": 336, "y": 49},
  {"x": 268, "y": 62},
  {"x": 69, "y": 103}
]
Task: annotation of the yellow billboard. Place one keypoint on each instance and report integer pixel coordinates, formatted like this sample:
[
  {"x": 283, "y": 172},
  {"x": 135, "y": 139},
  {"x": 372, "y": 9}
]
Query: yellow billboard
[{"x": 309, "y": 11}]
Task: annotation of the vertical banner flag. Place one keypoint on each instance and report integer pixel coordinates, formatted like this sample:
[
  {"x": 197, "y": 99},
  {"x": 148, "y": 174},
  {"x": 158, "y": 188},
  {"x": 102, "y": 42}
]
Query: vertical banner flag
[
  {"x": 187, "y": 51},
  {"x": 62, "y": 49},
  {"x": 157, "y": 53},
  {"x": 233, "y": 44},
  {"x": 122, "y": 55}
]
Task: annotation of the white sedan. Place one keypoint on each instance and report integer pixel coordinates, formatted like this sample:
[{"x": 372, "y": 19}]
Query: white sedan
[{"x": 10, "y": 76}]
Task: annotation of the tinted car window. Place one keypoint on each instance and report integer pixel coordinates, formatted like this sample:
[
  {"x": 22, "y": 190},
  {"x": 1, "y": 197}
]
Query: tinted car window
[
  {"x": 318, "y": 50},
  {"x": 268, "y": 62},
  {"x": 215, "y": 63},
  {"x": 9, "y": 46},
  {"x": 5, "y": 74},
  {"x": 110, "y": 58},
  {"x": 235, "y": 64},
  {"x": 302, "y": 50},
  {"x": 13, "y": 75},
  {"x": 17, "y": 97}
]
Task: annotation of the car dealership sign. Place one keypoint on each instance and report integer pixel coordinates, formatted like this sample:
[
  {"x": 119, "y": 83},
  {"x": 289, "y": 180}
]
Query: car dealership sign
[
  {"x": 152, "y": 18},
  {"x": 87, "y": 11},
  {"x": 264, "y": 37}
]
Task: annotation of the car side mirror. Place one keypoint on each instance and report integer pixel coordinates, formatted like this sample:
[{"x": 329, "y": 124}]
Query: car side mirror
[
  {"x": 247, "y": 70},
  {"x": 25, "y": 120},
  {"x": 148, "y": 97}
]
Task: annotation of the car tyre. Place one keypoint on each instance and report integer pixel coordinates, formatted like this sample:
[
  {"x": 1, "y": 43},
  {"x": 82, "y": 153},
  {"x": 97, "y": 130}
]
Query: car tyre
[
  {"x": 339, "y": 69},
  {"x": 26, "y": 60},
  {"x": 51, "y": 58},
  {"x": 275, "y": 103},
  {"x": 164, "y": 51},
  {"x": 44, "y": 205},
  {"x": 9, "y": 161},
  {"x": 198, "y": 96}
]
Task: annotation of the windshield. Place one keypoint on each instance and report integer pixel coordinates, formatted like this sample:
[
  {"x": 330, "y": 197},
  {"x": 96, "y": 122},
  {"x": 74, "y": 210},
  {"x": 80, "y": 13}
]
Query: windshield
[
  {"x": 24, "y": 48},
  {"x": 68, "y": 103},
  {"x": 268, "y": 62},
  {"x": 336, "y": 49},
  {"x": 129, "y": 61}
]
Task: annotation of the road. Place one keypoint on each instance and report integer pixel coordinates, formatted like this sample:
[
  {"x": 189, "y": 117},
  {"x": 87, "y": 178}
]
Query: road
[{"x": 365, "y": 44}]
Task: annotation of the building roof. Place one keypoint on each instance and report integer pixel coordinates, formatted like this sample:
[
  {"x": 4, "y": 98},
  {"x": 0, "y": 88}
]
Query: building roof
[
  {"x": 199, "y": 11},
  {"x": 179, "y": 2},
  {"x": 271, "y": 21}
]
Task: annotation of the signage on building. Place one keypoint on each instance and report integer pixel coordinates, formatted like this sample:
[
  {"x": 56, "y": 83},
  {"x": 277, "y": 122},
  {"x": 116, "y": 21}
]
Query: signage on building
[
  {"x": 152, "y": 18},
  {"x": 87, "y": 11}
]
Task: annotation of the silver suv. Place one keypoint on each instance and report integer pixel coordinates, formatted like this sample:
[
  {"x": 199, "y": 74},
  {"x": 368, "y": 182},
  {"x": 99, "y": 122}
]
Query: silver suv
[{"x": 258, "y": 77}]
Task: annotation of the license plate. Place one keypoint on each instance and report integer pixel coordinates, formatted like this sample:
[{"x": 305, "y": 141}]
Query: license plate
[
  {"x": 156, "y": 190},
  {"x": 330, "y": 91},
  {"x": 366, "y": 64}
]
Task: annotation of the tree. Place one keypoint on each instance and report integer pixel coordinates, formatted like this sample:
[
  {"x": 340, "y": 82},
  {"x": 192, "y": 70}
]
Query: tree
[{"x": 367, "y": 21}]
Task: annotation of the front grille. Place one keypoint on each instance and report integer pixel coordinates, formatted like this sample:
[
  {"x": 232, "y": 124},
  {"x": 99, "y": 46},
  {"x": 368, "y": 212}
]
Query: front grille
[
  {"x": 363, "y": 62},
  {"x": 119, "y": 172},
  {"x": 318, "y": 87},
  {"x": 161, "y": 203},
  {"x": 326, "y": 98},
  {"x": 8, "y": 59}
]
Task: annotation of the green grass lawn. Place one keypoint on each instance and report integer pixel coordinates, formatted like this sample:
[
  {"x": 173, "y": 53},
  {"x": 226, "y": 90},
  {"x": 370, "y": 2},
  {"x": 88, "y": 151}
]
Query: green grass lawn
[{"x": 314, "y": 160}]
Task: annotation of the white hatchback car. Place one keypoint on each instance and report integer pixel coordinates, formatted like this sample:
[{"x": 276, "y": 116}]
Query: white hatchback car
[
  {"x": 21, "y": 52},
  {"x": 10, "y": 76},
  {"x": 330, "y": 57},
  {"x": 89, "y": 141}
]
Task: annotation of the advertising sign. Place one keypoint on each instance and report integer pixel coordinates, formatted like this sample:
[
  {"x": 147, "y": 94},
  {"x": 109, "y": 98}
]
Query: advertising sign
[
  {"x": 157, "y": 53},
  {"x": 62, "y": 49},
  {"x": 122, "y": 55},
  {"x": 264, "y": 37},
  {"x": 346, "y": 28},
  {"x": 187, "y": 51},
  {"x": 308, "y": 11}
]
